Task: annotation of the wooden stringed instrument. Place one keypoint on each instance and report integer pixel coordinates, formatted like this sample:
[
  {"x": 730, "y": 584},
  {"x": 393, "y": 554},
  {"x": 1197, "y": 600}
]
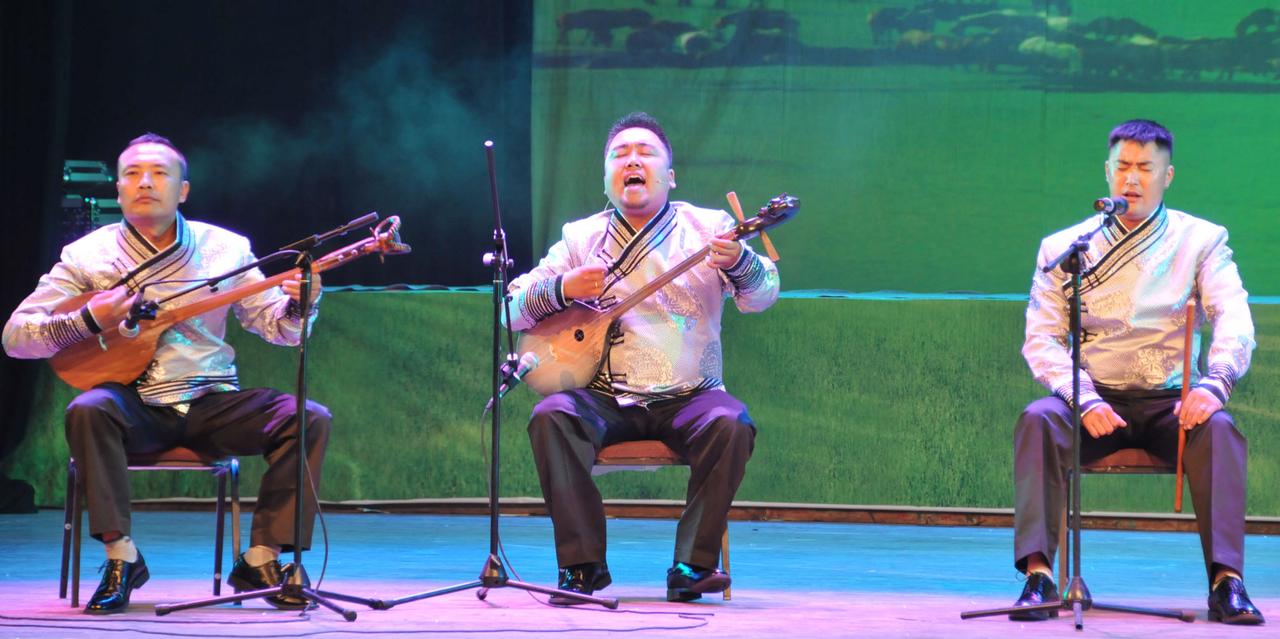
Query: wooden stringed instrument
[
  {"x": 571, "y": 345},
  {"x": 111, "y": 357}
]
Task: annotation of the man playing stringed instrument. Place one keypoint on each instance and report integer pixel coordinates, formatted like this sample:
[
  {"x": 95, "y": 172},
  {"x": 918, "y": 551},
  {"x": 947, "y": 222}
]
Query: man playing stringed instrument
[
  {"x": 189, "y": 395},
  {"x": 661, "y": 377},
  {"x": 1142, "y": 271}
]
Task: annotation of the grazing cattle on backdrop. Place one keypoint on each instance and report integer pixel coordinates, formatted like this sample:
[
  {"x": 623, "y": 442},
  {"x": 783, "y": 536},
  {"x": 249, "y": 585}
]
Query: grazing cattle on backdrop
[
  {"x": 1115, "y": 29},
  {"x": 1008, "y": 21},
  {"x": 1190, "y": 59},
  {"x": 1041, "y": 53},
  {"x": 599, "y": 24},
  {"x": 659, "y": 37},
  {"x": 889, "y": 23},
  {"x": 1261, "y": 21}
]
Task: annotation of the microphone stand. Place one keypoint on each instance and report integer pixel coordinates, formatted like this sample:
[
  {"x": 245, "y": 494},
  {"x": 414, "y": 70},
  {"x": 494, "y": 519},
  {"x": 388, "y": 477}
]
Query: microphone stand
[
  {"x": 1076, "y": 597},
  {"x": 295, "y": 571},
  {"x": 494, "y": 574}
]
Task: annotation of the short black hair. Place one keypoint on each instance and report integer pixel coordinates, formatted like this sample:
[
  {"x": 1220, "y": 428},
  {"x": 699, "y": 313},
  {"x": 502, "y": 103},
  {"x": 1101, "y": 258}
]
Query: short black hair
[
  {"x": 155, "y": 138},
  {"x": 1142, "y": 132},
  {"x": 638, "y": 120}
]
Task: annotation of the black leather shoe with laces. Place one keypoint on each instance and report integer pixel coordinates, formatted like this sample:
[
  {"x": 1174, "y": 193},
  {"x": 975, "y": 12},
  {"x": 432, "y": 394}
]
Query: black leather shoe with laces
[
  {"x": 581, "y": 578},
  {"x": 1229, "y": 603},
  {"x": 1039, "y": 589},
  {"x": 686, "y": 582},
  {"x": 119, "y": 579},
  {"x": 244, "y": 578}
]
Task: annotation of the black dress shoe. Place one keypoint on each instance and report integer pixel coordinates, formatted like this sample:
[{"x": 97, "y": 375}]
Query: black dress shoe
[
  {"x": 1039, "y": 589},
  {"x": 581, "y": 578},
  {"x": 686, "y": 582},
  {"x": 269, "y": 575},
  {"x": 1229, "y": 603},
  {"x": 119, "y": 578}
]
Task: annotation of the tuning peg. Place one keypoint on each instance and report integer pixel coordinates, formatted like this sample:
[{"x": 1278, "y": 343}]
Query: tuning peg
[{"x": 734, "y": 204}]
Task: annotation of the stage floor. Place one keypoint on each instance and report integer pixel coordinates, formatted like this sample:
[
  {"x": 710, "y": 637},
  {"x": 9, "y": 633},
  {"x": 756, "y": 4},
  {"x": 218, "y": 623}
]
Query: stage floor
[{"x": 790, "y": 580}]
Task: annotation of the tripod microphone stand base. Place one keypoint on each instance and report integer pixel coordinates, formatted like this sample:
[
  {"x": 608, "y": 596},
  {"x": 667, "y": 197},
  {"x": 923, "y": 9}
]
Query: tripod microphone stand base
[
  {"x": 494, "y": 575},
  {"x": 1078, "y": 600},
  {"x": 286, "y": 588}
]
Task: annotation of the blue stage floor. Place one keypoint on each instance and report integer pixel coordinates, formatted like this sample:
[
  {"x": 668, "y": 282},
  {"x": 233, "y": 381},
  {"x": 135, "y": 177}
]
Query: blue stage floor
[{"x": 790, "y": 580}]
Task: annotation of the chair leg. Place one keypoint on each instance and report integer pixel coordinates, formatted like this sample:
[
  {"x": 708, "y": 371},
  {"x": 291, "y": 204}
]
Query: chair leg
[
  {"x": 235, "y": 507},
  {"x": 1064, "y": 573},
  {"x": 235, "y": 510},
  {"x": 724, "y": 559},
  {"x": 78, "y": 510},
  {"x": 1064, "y": 567},
  {"x": 67, "y": 511},
  {"x": 219, "y": 512}
]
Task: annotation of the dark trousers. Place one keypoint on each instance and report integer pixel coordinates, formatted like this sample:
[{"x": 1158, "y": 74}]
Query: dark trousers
[
  {"x": 110, "y": 421},
  {"x": 710, "y": 429},
  {"x": 1214, "y": 462}
]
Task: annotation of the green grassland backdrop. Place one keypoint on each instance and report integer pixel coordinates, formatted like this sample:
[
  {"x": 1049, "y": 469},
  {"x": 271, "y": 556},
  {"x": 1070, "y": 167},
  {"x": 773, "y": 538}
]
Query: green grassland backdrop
[{"x": 858, "y": 401}]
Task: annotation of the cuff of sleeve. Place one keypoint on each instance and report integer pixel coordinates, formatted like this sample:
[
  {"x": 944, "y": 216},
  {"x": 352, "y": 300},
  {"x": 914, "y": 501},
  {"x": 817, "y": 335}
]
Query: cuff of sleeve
[
  {"x": 737, "y": 265},
  {"x": 748, "y": 273},
  {"x": 90, "y": 321},
  {"x": 1215, "y": 387},
  {"x": 558, "y": 286},
  {"x": 1089, "y": 398},
  {"x": 543, "y": 298},
  {"x": 1090, "y": 404}
]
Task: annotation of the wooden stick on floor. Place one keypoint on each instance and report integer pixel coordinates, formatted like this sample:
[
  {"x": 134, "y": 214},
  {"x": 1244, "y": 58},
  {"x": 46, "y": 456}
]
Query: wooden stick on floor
[
  {"x": 1188, "y": 333},
  {"x": 734, "y": 204}
]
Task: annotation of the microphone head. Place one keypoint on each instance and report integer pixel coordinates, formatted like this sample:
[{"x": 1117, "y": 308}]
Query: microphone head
[
  {"x": 528, "y": 362},
  {"x": 1111, "y": 205},
  {"x": 127, "y": 331}
]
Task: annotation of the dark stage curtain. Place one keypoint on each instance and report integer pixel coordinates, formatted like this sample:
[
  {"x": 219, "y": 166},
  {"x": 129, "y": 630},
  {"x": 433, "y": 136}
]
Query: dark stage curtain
[
  {"x": 295, "y": 118},
  {"x": 34, "y": 58}
]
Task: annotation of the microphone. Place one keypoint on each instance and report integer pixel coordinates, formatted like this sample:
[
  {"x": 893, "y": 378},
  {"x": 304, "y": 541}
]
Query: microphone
[
  {"x": 140, "y": 310},
  {"x": 1114, "y": 205},
  {"x": 527, "y": 363}
]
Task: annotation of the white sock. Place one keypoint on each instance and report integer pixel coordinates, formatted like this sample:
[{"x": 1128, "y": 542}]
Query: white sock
[
  {"x": 1224, "y": 575},
  {"x": 1044, "y": 571},
  {"x": 258, "y": 555},
  {"x": 123, "y": 548}
]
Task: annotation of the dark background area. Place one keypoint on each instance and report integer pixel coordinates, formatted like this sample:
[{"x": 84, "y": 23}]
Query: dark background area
[{"x": 294, "y": 118}]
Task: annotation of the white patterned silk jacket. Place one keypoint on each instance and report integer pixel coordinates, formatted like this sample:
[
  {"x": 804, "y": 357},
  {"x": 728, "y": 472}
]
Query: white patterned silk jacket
[
  {"x": 1135, "y": 290},
  {"x": 670, "y": 343},
  {"x": 192, "y": 357}
]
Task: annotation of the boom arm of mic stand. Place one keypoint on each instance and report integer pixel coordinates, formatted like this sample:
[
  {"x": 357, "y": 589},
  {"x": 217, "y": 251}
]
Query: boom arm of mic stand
[
  {"x": 1077, "y": 247},
  {"x": 215, "y": 280},
  {"x": 312, "y": 241}
]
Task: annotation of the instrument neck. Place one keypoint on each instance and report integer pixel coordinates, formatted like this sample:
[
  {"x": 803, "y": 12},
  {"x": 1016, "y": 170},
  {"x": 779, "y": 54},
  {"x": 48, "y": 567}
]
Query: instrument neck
[
  {"x": 332, "y": 260},
  {"x": 226, "y": 297},
  {"x": 652, "y": 287}
]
